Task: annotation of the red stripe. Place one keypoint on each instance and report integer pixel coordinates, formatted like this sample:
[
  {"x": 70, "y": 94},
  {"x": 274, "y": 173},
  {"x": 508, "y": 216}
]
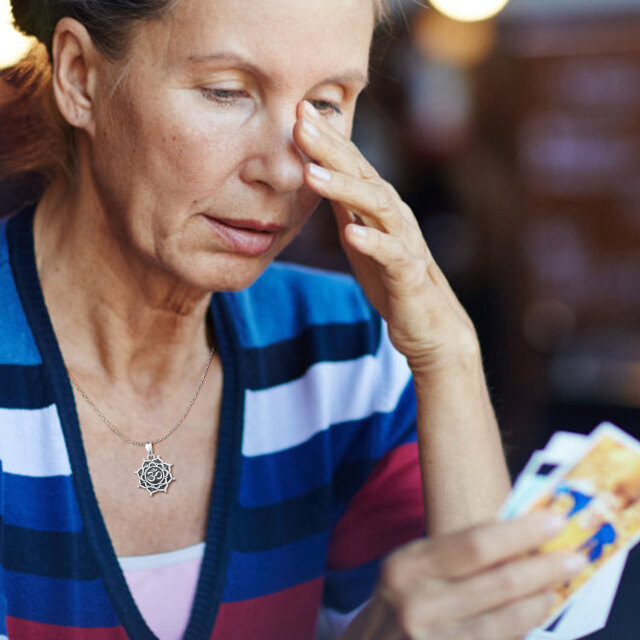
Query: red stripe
[
  {"x": 386, "y": 513},
  {"x": 290, "y": 613},
  {"x": 20, "y": 629}
]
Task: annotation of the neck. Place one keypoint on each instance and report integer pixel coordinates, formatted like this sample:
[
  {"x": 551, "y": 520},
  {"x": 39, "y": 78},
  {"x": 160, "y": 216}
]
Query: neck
[{"x": 118, "y": 318}]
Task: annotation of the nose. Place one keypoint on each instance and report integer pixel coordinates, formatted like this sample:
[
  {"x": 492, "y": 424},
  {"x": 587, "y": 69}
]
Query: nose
[{"x": 274, "y": 160}]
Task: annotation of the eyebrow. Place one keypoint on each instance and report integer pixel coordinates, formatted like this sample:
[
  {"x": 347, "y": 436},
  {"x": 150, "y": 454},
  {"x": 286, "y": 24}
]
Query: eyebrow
[{"x": 351, "y": 75}]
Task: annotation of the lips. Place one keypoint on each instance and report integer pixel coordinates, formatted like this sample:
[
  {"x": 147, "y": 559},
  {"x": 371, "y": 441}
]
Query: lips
[
  {"x": 252, "y": 225},
  {"x": 249, "y": 237}
]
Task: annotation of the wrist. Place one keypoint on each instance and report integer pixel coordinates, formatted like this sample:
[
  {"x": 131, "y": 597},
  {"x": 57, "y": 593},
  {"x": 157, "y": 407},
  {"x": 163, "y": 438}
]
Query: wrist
[{"x": 459, "y": 355}]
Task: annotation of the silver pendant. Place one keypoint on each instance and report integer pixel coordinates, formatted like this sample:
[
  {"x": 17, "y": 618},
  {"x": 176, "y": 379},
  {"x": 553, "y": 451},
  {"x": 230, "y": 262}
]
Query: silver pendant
[{"x": 155, "y": 474}]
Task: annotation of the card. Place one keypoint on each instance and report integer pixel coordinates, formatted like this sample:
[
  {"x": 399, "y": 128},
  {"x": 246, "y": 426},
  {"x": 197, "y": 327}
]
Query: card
[
  {"x": 590, "y": 610},
  {"x": 599, "y": 495},
  {"x": 543, "y": 466}
]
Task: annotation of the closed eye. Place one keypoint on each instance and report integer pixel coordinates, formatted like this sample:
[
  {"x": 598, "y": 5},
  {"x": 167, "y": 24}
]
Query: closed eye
[
  {"x": 229, "y": 97},
  {"x": 226, "y": 97}
]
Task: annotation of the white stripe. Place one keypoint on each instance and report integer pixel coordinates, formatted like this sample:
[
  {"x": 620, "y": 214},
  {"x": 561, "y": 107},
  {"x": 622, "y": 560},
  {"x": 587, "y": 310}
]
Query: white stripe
[
  {"x": 329, "y": 392},
  {"x": 161, "y": 560},
  {"x": 332, "y": 624},
  {"x": 32, "y": 443}
]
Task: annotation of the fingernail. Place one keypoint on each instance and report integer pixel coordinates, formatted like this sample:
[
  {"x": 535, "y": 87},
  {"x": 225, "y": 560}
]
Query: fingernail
[
  {"x": 310, "y": 128},
  {"x": 575, "y": 562},
  {"x": 553, "y": 523},
  {"x": 319, "y": 172},
  {"x": 358, "y": 229},
  {"x": 309, "y": 110}
]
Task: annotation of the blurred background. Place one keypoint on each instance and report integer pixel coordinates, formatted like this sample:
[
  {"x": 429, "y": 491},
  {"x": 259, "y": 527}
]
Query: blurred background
[{"x": 512, "y": 129}]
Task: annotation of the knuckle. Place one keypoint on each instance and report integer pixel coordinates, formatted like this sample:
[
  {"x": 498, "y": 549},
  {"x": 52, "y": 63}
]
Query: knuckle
[
  {"x": 332, "y": 157},
  {"x": 506, "y": 581},
  {"x": 349, "y": 189},
  {"x": 476, "y": 548},
  {"x": 384, "y": 200},
  {"x": 365, "y": 170}
]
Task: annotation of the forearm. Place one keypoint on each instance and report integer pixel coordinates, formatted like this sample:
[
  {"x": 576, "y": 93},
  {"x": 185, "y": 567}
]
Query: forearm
[{"x": 464, "y": 472}]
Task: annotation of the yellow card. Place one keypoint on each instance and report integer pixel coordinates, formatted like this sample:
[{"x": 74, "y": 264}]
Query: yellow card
[{"x": 599, "y": 495}]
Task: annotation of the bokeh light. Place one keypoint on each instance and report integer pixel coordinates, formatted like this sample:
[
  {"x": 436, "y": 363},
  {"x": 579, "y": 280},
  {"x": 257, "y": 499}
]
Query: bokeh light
[
  {"x": 13, "y": 45},
  {"x": 470, "y": 10}
]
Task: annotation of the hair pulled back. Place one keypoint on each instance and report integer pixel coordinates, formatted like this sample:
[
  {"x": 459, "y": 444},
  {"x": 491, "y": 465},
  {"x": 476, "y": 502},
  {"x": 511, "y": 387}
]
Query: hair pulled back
[{"x": 36, "y": 143}]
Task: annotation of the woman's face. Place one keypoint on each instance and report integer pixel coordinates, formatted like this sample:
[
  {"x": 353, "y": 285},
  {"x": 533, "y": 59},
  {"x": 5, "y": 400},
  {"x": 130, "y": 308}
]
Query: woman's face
[{"x": 202, "y": 126}]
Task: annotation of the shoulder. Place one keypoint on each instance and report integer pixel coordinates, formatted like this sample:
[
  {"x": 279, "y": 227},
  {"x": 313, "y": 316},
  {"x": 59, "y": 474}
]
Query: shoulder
[
  {"x": 288, "y": 299},
  {"x": 17, "y": 346}
]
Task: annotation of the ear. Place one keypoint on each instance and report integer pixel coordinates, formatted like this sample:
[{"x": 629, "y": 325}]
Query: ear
[{"x": 74, "y": 58}]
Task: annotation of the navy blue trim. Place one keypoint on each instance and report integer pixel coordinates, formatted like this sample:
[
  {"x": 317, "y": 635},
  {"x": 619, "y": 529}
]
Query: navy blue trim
[
  {"x": 290, "y": 359},
  {"x": 214, "y": 565},
  {"x": 23, "y": 387},
  {"x": 212, "y": 579}
]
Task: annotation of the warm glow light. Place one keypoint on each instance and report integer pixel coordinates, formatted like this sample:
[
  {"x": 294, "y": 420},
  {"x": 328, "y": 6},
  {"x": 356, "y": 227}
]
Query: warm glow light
[
  {"x": 470, "y": 10},
  {"x": 463, "y": 44},
  {"x": 13, "y": 45}
]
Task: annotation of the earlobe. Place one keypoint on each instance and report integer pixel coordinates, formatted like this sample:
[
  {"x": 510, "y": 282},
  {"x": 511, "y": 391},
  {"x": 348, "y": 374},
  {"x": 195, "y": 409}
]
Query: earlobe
[{"x": 73, "y": 55}]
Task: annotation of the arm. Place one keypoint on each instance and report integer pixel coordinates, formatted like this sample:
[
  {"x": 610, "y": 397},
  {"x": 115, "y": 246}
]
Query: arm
[
  {"x": 463, "y": 468},
  {"x": 464, "y": 473}
]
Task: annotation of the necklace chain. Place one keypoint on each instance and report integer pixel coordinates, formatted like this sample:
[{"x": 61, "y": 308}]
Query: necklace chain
[{"x": 166, "y": 435}]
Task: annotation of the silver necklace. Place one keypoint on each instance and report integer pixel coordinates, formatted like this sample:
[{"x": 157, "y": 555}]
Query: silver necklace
[{"x": 155, "y": 474}]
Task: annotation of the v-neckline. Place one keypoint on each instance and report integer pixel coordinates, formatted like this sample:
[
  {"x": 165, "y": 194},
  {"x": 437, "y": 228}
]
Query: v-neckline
[{"x": 211, "y": 579}]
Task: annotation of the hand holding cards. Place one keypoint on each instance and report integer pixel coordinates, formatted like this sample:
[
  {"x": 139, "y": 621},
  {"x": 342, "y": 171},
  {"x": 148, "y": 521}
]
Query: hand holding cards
[{"x": 594, "y": 484}]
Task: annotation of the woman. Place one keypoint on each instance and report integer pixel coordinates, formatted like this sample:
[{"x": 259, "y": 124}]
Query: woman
[{"x": 182, "y": 145}]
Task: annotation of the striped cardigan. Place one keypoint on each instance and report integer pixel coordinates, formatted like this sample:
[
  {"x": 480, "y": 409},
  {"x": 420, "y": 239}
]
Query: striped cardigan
[{"x": 316, "y": 477}]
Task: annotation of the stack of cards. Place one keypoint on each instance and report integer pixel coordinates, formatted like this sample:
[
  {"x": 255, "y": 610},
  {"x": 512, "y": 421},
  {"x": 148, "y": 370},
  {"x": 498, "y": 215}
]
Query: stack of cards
[{"x": 594, "y": 481}]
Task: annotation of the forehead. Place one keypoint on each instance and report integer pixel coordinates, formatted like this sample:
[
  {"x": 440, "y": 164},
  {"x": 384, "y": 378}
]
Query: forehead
[{"x": 286, "y": 38}]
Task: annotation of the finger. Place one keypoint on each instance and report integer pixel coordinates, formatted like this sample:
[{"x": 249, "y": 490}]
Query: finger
[
  {"x": 483, "y": 546},
  {"x": 513, "y": 620},
  {"x": 376, "y": 203},
  {"x": 513, "y": 581},
  {"x": 322, "y": 142},
  {"x": 386, "y": 249}
]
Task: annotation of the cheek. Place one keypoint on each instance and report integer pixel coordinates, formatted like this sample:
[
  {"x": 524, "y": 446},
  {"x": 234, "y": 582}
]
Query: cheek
[
  {"x": 189, "y": 153},
  {"x": 166, "y": 145}
]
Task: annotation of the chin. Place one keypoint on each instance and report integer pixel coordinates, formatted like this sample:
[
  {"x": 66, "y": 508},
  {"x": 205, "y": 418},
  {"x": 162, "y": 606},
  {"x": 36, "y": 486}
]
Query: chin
[{"x": 222, "y": 272}]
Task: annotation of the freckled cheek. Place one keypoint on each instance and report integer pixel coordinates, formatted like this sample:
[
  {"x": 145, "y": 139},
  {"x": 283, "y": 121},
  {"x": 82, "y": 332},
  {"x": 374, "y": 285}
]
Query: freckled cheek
[{"x": 196, "y": 156}]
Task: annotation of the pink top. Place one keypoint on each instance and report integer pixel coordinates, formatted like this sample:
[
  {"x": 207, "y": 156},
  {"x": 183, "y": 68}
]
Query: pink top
[{"x": 163, "y": 586}]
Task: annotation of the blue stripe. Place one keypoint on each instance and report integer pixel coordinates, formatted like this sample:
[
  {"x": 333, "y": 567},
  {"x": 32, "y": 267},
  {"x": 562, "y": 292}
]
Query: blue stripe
[
  {"x": 66, "y": 602},
  {"x": 17, "y": 345},
  {"x": 256, "y": 574},
  {"x": 24, "y": 387},
  {"x": 265, "y": 528},
  {"x": 46, "y": 503},
  {"x": 3, "y": 609},
  {"x": 276, "y": 306},
  {"x": 279, "y": 476},
  {"x": 400, "y": 428},
  {"x": 288, "y": 360},
  {"x": 55, "y": 554},
  {"x": 345, "y": 590}
]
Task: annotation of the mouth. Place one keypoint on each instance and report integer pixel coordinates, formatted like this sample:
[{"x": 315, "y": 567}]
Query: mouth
[{"x": 250, "y": 237}]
